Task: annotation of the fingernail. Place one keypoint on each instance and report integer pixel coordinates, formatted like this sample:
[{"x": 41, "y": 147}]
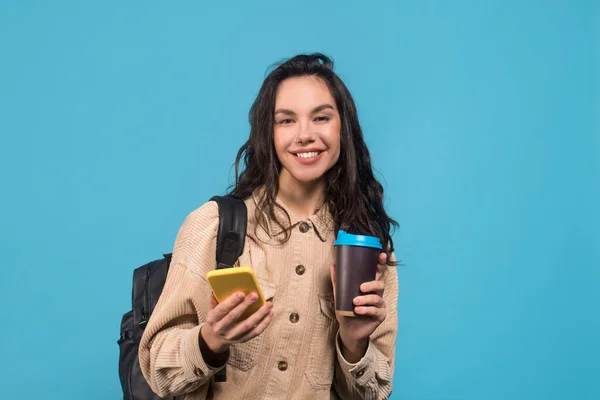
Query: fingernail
[
  {"x": 240, "y": 296},
  {"x": 356, "y": 301},
  {"x": 253, "y": 297}
]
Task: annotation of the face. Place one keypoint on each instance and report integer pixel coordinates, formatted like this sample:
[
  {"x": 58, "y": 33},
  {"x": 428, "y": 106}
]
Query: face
[{"x": 307, "y": 129}]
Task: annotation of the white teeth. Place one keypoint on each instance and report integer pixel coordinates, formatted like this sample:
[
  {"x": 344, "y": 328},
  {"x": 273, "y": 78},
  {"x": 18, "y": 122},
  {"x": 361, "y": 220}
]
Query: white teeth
[{"x": 308, "y": 155}]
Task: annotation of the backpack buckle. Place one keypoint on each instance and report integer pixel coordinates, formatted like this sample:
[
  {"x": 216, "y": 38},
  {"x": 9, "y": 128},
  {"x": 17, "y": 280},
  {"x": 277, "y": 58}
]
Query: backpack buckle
[{"x": 142, "y": 324}]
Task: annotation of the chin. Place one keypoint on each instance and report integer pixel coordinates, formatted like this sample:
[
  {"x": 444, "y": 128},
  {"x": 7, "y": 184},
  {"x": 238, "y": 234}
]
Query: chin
[{"x": 308, "y": 177}]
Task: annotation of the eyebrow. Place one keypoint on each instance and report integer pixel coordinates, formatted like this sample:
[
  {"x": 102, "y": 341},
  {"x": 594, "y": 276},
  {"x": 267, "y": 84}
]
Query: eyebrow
[{"x": 314, "y": 111}]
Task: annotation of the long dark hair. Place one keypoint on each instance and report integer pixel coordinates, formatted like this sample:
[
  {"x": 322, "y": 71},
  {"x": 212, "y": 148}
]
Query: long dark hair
[{"x": 353, "y": 194}]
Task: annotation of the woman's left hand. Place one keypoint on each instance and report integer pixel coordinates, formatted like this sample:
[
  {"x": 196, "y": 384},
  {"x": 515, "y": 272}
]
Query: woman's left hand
[{"x": 370, "y": 311}]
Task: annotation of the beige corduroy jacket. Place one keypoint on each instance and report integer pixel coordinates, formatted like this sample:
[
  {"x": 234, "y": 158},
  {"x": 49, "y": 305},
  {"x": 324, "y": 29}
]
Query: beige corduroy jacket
[{"x": 298, "y": 355}]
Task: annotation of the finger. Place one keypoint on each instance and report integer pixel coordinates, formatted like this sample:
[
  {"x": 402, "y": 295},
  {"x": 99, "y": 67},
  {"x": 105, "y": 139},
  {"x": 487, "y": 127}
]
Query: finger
[
  {"x": 259, "y": 328},
  {"x": 375, "y": 287},
  {"x": 242, "y": 328},
  {"x": 213, "y": 302},
  {"x": 369, "y": 300},
  {"x": 381, "y": 266},
  {"x": 224, "y": 308},
  {"x": 376, "y": 313},
  {"x": 234, "y": 315}
]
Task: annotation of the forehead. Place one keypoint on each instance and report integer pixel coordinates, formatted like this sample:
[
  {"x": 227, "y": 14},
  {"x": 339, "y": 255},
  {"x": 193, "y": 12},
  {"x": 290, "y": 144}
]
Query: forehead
[{"x": 303, "y": 93}]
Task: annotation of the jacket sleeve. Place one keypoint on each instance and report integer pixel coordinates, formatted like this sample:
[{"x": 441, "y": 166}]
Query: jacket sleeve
[
  {"x": 371, "y": 377},
  {"x": 169, "y": 352}
]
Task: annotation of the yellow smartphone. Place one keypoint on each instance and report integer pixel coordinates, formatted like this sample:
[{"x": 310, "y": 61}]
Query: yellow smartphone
[{"x": 227, "y": 281}]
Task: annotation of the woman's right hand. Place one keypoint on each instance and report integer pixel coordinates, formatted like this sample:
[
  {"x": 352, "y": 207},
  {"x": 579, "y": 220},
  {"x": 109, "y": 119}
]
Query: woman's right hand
[{"x": 221, "y": 329}]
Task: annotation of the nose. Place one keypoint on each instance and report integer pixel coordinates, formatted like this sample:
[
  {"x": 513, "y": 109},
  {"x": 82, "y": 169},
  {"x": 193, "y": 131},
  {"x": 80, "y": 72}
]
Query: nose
[{"x": 306, "y": 134}]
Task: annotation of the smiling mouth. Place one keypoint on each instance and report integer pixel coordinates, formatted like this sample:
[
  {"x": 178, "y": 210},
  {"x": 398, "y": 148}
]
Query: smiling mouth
[{"x": 308, "y": 154}]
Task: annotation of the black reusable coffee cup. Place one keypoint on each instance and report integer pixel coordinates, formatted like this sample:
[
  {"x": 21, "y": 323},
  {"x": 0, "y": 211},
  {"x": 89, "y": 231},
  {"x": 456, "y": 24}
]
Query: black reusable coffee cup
[{"x": 356, "y": 263}]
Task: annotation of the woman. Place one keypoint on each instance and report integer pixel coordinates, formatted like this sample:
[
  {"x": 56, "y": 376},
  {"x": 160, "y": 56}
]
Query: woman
[{"x": 307, "y": 173}]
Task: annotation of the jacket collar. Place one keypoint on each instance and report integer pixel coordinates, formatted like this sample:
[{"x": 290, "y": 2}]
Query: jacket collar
[{"x": 321, "y": 221}]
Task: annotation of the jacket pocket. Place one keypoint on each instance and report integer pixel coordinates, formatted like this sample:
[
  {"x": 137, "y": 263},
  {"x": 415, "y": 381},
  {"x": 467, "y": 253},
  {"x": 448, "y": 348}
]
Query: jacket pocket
[
  {"x": 244, "y": 356},
  {"x": 321, "y": 360}
]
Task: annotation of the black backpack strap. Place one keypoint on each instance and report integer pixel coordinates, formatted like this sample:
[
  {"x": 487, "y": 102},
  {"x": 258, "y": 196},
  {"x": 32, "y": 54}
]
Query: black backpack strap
[{"x": 233, "y": 218}]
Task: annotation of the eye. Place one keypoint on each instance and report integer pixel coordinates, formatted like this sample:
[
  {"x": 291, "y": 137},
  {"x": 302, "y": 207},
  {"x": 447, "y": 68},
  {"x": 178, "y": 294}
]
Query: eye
[
  {"x": 286, "y": 121},
  {"x": 322, "y": 118}
]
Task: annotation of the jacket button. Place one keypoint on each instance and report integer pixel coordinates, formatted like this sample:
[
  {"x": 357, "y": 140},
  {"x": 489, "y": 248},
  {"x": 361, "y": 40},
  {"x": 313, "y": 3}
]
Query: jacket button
[
  {"x": 282, "y": 365},
  {"x": 294, "y": 317},
  {"x": 304, "y": 227},
  {"x": 300, "y": 269}
]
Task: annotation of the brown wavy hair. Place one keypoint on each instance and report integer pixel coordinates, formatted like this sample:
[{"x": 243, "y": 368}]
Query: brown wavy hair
[{"x": 353, "y": 194}]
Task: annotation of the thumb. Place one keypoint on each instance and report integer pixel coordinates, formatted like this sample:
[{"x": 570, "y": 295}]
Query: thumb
[{"x": 332, "y": 274}]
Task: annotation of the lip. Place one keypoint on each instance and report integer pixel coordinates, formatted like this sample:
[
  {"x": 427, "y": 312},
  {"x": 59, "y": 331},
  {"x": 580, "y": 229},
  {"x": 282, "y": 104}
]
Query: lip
[
  {"x": 307, "y": 150},
  {"x": 308, "y": 161}
]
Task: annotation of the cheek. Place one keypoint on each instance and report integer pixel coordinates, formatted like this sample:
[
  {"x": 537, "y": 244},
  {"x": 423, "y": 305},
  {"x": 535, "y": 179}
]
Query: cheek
[
  {"x": 335, "y": 141},
  {"x": 336, "y": 155},
  {"x": 338, "y": 151},
  {"x": 279, "y": 141}
]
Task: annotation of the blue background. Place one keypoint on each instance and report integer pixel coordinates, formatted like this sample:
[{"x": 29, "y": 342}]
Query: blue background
[{"x": 117, "y": 119}]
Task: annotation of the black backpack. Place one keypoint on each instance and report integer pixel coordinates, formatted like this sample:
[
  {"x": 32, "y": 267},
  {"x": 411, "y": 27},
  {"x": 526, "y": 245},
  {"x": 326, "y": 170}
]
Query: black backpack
[{"x": 148, "y": 282}]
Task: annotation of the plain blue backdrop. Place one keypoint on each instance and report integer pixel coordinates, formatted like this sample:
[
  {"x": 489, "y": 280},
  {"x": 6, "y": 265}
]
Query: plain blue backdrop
[{"x": 117, "y": 119}]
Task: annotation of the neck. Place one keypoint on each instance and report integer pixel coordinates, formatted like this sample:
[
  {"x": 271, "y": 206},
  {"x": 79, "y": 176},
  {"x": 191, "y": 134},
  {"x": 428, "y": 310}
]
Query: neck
[{"x": 301, "y": 198}]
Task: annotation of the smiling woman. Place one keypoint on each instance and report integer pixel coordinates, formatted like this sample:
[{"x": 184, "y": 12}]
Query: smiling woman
[
  {"x": 302, "y": 107},
  {"x": 307, "y": 130},
  {"x": 307, "y": 175}
]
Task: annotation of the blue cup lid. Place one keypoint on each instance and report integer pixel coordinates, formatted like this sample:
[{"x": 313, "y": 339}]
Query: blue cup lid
[{"x": 348, "y": 239}]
